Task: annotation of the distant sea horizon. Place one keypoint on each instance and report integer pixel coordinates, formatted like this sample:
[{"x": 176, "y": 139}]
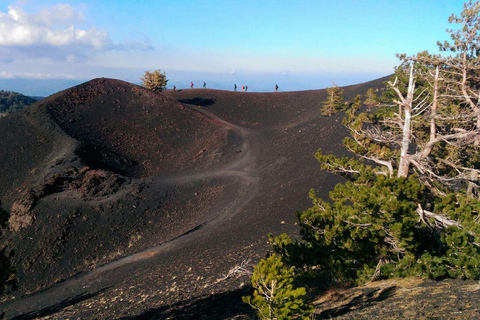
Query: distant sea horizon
[{"x": 265, "y": 83}]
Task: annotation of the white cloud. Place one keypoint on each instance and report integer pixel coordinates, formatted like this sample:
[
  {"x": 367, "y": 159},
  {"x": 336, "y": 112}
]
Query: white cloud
[
  {"x": 50, "y": 33},
  {"x": 6, "y": 75}
]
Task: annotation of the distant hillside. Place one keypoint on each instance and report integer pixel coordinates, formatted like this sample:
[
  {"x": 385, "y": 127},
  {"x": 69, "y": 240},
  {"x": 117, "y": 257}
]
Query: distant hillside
[
  {"x": 13, "y": 101},
  {"x": 37, "y": 87}
]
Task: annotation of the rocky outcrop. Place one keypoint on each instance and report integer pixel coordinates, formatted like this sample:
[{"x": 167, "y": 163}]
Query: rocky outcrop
[
  {"x": 21, "y": 214},
  {"x": 86, "y": 182},
  {"x": 96, "y": 183}
]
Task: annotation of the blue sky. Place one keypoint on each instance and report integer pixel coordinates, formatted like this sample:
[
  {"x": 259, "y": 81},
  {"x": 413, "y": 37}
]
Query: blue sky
[{"x": 297, "y": 44}]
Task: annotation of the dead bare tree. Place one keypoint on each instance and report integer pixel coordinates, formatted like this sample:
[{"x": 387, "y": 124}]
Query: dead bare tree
[{"x": 428, "y": 120}]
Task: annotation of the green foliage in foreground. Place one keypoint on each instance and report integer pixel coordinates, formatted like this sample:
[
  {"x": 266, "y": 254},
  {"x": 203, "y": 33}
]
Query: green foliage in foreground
[
  {"x": 378, "y": 227},
  {"x": 275, "y": 296},
  {"x": 13, "y": 101}
]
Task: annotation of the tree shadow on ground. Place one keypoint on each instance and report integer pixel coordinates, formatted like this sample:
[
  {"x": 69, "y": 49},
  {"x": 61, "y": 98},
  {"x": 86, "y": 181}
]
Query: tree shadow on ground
[
  {"x": 57, "y": 307},
  {"x": 362, "y": 300},
  {"x": 218, "y": 306},
  {"x": 203, "y": 102}
]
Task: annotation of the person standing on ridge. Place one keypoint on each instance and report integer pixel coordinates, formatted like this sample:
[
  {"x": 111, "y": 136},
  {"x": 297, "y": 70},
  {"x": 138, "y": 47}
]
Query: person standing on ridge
[
  {"x": 276, "y": 88},
  {"x": 204, "y": 84},
  {"x": 191, "y": 85},
  {"x": 234, "y": 87},
  {"x": 174, "y": 88},
  {"x": 243, "y": 88},
  {"x": 246, "y": 88}
]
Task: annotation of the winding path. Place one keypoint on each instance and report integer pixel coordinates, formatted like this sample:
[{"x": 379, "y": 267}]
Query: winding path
[{"x": 85, "y": 285}]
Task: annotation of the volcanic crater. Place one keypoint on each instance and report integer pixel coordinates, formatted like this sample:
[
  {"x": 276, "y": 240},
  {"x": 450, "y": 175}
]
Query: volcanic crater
[{"x": 131, "y": 204}]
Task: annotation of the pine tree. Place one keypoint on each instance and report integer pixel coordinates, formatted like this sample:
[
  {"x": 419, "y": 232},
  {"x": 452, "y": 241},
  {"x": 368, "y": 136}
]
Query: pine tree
[
  {"x": 378, "y": 227},
  {"x": 371, "y": 98},
  {"x": 275, "y": 296},
  {"x": 462, "y": 80},
  {"x": 335, "y": 101},
  {"x": 155, "y": 81}
]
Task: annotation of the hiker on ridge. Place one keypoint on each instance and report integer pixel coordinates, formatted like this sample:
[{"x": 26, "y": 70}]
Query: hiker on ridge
[
  {"x": 276, "y": 88},
  {"x": 191, "y": 85},
  {"x": 234, "y": 87},
  {"x": 204, "y": 84}
]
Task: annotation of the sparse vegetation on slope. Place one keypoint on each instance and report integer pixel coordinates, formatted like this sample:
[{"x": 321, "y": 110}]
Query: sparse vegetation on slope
[
  {"x": 371, "y": 98},
  {"x": 334, "y": 102}
]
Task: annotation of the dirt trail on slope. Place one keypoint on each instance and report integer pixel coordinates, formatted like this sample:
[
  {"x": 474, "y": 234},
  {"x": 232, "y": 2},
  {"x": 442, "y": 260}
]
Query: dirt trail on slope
[{"x": 240, "y": 171}]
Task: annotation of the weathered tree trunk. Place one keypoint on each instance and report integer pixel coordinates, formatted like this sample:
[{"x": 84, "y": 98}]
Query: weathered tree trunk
[
  {"x": 472, "y": 187},
  {"x": 404, "y": 165},
  {"x": 433, "y": 108},
  {"x": 405, "y": 161}
]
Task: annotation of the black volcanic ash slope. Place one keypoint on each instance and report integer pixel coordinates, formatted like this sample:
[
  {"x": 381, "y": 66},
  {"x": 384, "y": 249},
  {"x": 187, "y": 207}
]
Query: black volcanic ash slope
[
  {"x": 69, "y": 166},
  {"x": 267, "y": 110},
  {"x": 25, "y": 143},
  {"x": 133, "y": 131}
]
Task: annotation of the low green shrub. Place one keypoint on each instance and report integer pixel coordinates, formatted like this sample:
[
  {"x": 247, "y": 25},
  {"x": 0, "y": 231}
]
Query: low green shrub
[
  {"x": 374, "y": 229},
  {"x": 275, "y": 296}
]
